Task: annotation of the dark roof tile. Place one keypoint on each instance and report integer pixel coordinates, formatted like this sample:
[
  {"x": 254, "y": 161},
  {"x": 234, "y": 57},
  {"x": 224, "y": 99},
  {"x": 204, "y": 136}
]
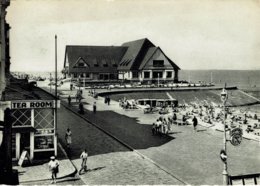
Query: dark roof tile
[{"x": 95, "y": 56}]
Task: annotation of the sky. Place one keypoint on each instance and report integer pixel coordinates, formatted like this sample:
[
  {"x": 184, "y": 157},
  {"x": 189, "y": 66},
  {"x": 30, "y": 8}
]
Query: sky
[{"x": 195, "y": 34}]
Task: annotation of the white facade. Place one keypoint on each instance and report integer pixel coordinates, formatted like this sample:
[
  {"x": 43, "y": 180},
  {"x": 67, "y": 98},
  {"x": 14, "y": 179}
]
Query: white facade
[{"x": 34, "y": 127}]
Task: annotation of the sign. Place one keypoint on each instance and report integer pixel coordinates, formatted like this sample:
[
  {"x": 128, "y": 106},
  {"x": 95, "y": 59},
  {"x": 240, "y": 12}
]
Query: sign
[
  {"x": 23, "y": 156},
  {"x": 236, "y": 136},
  {"x": 34, "y": 104},
  {"x": 223, "y": 155},
  {"x": 236, "y": 140}
]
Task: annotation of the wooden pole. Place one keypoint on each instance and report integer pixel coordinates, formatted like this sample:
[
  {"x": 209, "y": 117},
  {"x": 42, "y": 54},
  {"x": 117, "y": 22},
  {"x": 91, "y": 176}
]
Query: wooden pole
[{"x": 56, "y": 93}]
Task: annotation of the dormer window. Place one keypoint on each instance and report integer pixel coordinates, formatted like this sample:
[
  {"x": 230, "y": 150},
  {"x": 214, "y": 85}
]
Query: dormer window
[
  {"x": 81, "y": 63},
  {"x": 95, "y": 63},
  {"x": 113, "y": 63},
  {"x": 104, "y": 62}
]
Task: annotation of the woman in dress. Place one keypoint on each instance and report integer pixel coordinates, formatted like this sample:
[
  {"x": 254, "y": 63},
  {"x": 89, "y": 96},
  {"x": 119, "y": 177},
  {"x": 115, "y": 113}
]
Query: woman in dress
[{"x": 68, "y": 137}]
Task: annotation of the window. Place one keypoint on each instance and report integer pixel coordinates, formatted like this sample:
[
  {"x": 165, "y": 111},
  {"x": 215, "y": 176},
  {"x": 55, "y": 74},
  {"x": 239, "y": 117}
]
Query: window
[
  {"x": 158, "y": 63},
  {"x": 146, "y": 74},
  {"x": 43, "y": 119},
  {"x": 95, "y": 63},
  {"x": 43, "y": 142},
  {"x": 135, "y": 74},
  {"x": 156, "y": 74},
  {"x": 112, "y": 76},
  {"x": 113, "y": 63},
  {"x": 104, "y": 62},
  {"x": 81, "y": 64},
  {"x": 168, "y": 74},
  {"x": 21, "y": 117}
]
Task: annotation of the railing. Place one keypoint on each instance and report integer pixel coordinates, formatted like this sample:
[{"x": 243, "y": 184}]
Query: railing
[{"x": 248, "y": 179}]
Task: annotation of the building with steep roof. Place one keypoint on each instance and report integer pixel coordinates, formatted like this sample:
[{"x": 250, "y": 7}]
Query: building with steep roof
[
  {"x": 138, "y": 60},
  {"x": 28, "y": 123}
]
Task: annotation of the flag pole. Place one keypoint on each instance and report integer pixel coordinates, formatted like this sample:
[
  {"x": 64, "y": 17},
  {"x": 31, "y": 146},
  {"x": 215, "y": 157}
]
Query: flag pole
[{"x": 56, "y": 93}]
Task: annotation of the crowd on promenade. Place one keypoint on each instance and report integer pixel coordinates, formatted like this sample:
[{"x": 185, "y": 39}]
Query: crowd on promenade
[
  {"x": 128, "y": 104},
  {"x": 205, "y": 113}
]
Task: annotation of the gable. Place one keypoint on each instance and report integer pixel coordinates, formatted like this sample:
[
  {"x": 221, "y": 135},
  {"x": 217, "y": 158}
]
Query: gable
[
  {"x": 135, "y": 53},
  {"x": 156, "y": 60},
  {"x": 81, "y": 63}
]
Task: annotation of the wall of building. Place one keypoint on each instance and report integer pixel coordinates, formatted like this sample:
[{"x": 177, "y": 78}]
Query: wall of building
[{"x": 158, "y": 55}]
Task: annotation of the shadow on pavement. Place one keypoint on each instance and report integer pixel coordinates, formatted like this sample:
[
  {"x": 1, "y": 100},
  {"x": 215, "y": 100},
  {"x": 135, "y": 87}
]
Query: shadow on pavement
[
  {"x": 138, "y": 136},
  {"x": 128, "y": 130}
]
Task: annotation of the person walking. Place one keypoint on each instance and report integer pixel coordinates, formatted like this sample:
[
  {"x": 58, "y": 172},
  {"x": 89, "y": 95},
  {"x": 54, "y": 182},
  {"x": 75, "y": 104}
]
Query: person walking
[
  {"x": 81, "y": 108},
  {"x": 69, "y": 100},
  {"x": 94, "y": 107},
  {"x": 84, "y": 157},
  {"x": 157, "y": 126},
  {"x": 108, "y": 100},
  {"x": 68, "y": 137},
  {"x": 195, "y": 123},
  {"x": 153, "y": 129},
  {"x": 54, "y": 168},
  {"x": 174, "y": 118}
]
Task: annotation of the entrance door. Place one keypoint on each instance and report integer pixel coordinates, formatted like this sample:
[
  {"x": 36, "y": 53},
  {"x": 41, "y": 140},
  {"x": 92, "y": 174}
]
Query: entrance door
[{"x": 25, "y": 142}]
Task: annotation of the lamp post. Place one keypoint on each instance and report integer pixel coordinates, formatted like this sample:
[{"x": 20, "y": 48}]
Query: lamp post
[
  {"x": 50, "y": 82},
  {"x": 224, "y": 97},
  {"x": 158, "y": 78},
  {"x": 79, "y": 82},
  {"x": 84, "y": 80}
]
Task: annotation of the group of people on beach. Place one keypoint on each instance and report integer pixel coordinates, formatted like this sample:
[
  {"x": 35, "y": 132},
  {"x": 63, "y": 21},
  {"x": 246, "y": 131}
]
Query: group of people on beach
[
  {"x": 127, "y": 104},
  {"x": 163, "y": 125},
  {"x": 93, "y": 93},
  {"x": 211, "y": 114}
]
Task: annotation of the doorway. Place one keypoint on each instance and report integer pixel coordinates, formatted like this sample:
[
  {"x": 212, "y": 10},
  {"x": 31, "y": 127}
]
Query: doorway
[{"x": 25, "y": 142}]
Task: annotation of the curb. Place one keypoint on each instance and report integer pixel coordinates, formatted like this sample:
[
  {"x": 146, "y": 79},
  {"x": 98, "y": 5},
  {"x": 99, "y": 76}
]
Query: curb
[
  {"x": 58, "y": 179},
  {"x": 123, "y": 143},
  {"x": 74, "y": 174},
  {"x": 70, "y": 177}
]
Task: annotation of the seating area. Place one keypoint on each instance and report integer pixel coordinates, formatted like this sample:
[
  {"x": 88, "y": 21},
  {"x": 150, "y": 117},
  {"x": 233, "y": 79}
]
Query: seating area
[{"x": 128, "y": 104}]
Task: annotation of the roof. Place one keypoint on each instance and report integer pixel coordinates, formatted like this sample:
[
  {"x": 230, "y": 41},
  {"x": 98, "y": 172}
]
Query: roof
[
  {"x": 134, "y": 54},
  {"x": 17, "y": 90},
  {"x": 95, "y": 57},
  {"x": 148, "y": 55}
]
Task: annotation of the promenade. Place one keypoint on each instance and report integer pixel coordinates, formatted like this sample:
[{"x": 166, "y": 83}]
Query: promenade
[
  {"x": 192, "y": 157},
  {"x": 200, "y": 149},
  {"x": 38, "y": 173},
  {"x": 109, "y": 161}
]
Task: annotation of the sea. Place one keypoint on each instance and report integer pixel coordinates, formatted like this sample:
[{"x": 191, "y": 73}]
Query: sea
[{"x": 240, "y": 78}]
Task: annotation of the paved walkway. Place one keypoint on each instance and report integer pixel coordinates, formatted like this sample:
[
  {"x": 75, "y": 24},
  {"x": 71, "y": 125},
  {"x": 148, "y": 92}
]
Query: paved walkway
[
  {"x": 199, "y": 149},
  {"x": 109, "y": 161},
  {"x": 39, "y": 172}
]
